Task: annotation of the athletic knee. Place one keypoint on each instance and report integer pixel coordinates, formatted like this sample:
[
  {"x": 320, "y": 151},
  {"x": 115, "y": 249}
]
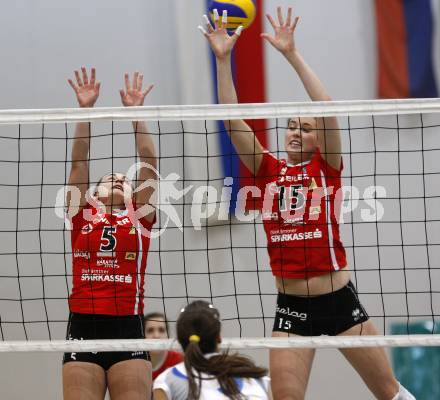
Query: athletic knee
[
  {"x": 287, "y": 393},
  {"x": 288, "y": 397}
]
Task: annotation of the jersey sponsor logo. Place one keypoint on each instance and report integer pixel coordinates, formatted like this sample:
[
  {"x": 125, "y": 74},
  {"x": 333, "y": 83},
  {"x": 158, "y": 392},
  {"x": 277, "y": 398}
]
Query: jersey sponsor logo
[
  {"x": 315, "y": 210},
  {"x": 107, "y": 263},
  {"x": 99, "y": 219},
  {"x": 130, "y": 255},
  {"x": 107, "y": 278},
  {"x": 123, "y": 221},
  {"x": 292, "y": 178},
  {"x": 293, "y": 313},
  {"x": 105, "y": 254},
  {"x": 81, "y": 254},
  {"x": 270, "y": 215},
  {"x": 294, "y": 220},
  {"x": 70, "y": 337},
  {"x": 95, "y": 219},
  {"x": 120, "y": 214},
  {"x": 313, "y": 184},
  {"x": 291, "y": 237},
  {"x": 86, "y": 229}
]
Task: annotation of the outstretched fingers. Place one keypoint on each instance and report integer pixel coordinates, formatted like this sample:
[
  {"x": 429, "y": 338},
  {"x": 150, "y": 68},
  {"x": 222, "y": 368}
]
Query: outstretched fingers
[
  {"x": 295, "y": 23},
  {"x": 289, "y": 16},
  {"x": 74, "y": 87},
  {"x": 127, "y": 82},
  {"x": 203, "y": 30},
  {"x": 82, "y": 79},
  {"x": 237, "y": 32},
  {"x": 271, "y": 21},
  {"x": 216, "y": 18},
  {"x": 122, "y": 93},
  {"x": 140, "y": 81},
  {"x": 224, "y": 19},
  {"x": 93, "y": 76},
  {"x": 280, "y": 16},
  {"x": 85, "y": 78},
  {"x": 148, "y": 90},
  {"x": 269, "y": 38},
  {"x": 78, "y": 79},
  {"x": 208, "y": 24},
  {"x": 135, "y": 80}
]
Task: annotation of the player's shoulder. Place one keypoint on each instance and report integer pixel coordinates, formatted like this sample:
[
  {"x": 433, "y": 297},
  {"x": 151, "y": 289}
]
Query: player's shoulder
[
  {"x": 328, "y": 169},
  {"x": 270, "y": 160},
  {"x": 177, "y": 370},
  {"x": 271, "y": 156},
  {"x": 173, "y": 381},
  {"x": 163, "y": 377},
  {"x": 257, "y": 387}
]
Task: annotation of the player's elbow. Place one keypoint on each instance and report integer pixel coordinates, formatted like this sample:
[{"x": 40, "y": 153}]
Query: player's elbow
[
  {"x": 147, "y": 154},
  {"x": 151, "y": 160}
]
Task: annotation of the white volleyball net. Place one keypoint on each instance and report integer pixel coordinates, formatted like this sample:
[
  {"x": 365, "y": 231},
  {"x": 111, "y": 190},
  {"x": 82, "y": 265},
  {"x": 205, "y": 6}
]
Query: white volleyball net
[{"x": 390, "y": 224}]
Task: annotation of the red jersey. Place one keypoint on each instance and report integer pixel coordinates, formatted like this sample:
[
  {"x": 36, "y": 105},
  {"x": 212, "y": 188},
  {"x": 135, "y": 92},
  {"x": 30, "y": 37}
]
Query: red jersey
[
  {"x": 300, "y": 212},
  {"x": 172, "y": 358},
  {"x": 109, "y": 257}
]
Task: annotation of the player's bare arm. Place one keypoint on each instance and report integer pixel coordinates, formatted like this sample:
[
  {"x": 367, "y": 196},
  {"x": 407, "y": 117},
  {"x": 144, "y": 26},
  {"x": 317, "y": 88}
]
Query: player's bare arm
[
  {"x": 243, "y": 138},
  {"x": 283, "y": 40},
  {"x": 87, "y": 92},
  {"x": 134, "y": 95}
]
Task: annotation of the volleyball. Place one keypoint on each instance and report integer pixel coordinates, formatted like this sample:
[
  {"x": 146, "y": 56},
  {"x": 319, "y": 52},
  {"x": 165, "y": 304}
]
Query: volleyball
[{"x": 240, "y": 12}]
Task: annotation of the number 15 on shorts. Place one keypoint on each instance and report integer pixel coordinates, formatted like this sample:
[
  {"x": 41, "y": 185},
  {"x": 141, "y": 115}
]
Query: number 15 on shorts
[{"x": 284, "y": 324}]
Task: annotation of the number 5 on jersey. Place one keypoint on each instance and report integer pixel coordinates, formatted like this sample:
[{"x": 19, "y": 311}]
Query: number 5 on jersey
[{"x": 108, "y": 240}]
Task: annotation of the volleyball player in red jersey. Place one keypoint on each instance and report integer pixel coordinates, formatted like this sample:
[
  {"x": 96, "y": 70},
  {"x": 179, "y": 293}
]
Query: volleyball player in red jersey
[
  {"x": 300, "y": 217},
  {"x": 156, "y": 327},
  {"x": 109, "y": 259}
]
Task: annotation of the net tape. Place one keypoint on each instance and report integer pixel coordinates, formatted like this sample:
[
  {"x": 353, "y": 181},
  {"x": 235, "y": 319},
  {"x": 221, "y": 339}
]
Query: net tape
[
  {"x": 219, "y": 112},
  {"x": 227, "y": 343}
]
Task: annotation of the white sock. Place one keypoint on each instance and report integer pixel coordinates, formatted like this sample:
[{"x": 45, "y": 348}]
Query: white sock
[{"x": 403, "y": 394}]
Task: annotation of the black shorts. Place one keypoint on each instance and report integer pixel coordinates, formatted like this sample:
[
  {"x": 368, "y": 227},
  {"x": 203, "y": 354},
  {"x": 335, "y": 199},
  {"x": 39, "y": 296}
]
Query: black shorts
[
  {"x": 91, "y": 327},
  {"x": 328, "y": 314}
]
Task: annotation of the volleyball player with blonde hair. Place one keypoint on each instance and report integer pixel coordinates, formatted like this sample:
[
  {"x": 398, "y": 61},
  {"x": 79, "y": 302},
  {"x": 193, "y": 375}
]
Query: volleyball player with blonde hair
[{"x": 315, "y": 294}]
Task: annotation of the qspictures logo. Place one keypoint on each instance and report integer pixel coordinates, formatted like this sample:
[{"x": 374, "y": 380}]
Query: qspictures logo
[{"x": 207, "y": 201}]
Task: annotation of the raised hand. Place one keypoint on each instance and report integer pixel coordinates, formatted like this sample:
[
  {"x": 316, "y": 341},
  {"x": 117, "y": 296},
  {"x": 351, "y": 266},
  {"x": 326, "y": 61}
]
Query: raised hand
[
  {"x": 133, "y": 94},
  {"x": 220, "y": 41},
  {"x": 283, "y": 40},
  {"x": 87, "y": 91}
]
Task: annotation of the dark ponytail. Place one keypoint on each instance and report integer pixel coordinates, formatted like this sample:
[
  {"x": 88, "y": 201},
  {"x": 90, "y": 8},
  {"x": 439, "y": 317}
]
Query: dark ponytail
[{"x": 198, "y": 332}]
